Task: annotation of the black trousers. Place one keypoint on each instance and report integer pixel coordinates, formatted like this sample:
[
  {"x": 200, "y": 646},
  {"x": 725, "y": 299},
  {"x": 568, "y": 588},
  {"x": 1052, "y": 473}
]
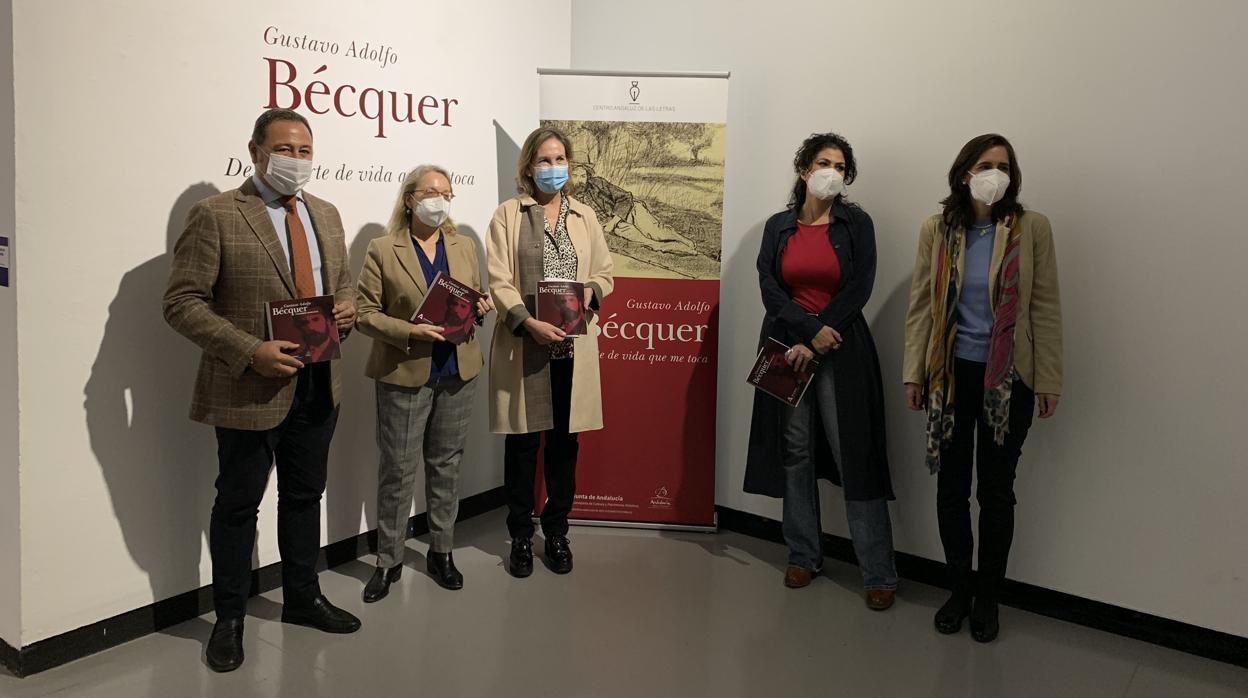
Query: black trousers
[
  {"x": 995, "y": 469},
  {"x": 300, "y": 447},
  {"x": 520, "y": 465}
]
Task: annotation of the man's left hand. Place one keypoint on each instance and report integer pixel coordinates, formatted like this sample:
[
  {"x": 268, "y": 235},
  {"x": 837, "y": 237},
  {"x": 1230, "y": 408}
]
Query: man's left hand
[{"x": 344, "y": 317}]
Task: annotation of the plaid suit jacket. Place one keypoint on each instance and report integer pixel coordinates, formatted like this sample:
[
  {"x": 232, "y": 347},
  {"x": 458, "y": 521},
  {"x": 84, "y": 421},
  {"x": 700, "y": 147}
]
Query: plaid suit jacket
[{"x": 226, "y": 264}]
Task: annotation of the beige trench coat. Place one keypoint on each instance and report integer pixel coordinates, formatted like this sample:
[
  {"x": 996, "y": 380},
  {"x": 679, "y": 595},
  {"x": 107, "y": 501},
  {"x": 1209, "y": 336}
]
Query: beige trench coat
[{"x": 512, "y": 411}]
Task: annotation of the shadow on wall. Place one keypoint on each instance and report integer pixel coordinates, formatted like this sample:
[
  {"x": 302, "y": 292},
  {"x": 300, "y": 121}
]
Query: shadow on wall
[
  {"x": 912, "y": 512},
  {"x": 508, "y": 153},
  {"x": 159, "y": 465},
  {"x": 738, "y": 346},
  {"x": 351, "y": 490}
]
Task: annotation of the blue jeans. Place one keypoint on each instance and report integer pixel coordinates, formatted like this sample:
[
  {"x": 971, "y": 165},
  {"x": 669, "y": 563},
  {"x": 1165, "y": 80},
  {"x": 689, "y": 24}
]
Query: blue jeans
[{"x": 869, "y": 523}]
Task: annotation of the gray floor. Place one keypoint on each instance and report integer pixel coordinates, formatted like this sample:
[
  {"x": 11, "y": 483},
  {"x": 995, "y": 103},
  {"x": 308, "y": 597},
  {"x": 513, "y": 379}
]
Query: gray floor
[{"x": 643, "y": 614}]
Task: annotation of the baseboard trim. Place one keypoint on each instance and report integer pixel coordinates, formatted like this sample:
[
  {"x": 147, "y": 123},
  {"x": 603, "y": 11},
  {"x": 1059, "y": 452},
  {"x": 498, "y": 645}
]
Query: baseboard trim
[
  {"x": 1165, "y": 632},
  {"x": 90, "y": 639}
]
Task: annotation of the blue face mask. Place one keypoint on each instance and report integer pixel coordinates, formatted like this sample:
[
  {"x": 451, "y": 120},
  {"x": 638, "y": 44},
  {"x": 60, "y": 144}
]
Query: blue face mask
[{"x": 551, "y": 179}]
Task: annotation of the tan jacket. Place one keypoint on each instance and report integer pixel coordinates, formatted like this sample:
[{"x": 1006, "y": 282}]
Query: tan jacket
[
  {"x": 226, "y": 265},
  {"x": 391, "y": 288},
  {"x": 1038, "y": 327},
  {"x": 511, "y": 412}
]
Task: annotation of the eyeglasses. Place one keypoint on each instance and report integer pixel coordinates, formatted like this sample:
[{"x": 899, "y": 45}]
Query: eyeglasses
[{"x": 422, "y": 194}]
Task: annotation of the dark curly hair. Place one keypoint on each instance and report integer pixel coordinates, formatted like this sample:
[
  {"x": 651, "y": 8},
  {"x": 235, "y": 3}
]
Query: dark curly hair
[
  {"x": 805, "y": 157},
  {"x": 959, "y": 211}
]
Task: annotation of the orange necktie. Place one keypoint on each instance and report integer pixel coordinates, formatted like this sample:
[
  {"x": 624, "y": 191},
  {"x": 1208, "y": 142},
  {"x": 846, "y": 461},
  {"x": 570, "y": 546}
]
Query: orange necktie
[{"x": 300, "y": 258}]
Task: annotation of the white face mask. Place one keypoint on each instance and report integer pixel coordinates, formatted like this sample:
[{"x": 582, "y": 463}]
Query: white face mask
[
  {"x": 825, "y": 183},
  {"x": 433, "y": 211},
  {"x": 989, "y": 186},
  {"x": 287, "y": 175}
]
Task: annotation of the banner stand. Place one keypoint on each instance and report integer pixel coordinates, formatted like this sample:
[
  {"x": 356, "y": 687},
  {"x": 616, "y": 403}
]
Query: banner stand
[
  {"x": 647, "y": 155},
  {"x": 685, "y": 528}
]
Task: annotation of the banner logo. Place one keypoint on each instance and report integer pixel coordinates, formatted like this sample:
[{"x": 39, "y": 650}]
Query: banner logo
[{"x": 634, "y": 92}]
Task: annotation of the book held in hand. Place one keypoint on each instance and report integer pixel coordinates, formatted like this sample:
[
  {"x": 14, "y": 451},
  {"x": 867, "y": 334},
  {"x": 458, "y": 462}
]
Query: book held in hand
[
  {"x": 561, "y": 303},
  {"x": 450, "y": 305},
  {"x": 773, "y": 374},
  {"x": 308, "y": 322}
]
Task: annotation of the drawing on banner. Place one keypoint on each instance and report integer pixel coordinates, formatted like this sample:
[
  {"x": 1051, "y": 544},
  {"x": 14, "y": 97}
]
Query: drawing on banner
[{"x": 658, "y": 190}]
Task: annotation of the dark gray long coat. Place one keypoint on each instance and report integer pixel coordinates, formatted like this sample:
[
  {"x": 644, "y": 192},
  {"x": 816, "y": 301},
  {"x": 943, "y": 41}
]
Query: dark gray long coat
[{"x": 859, "y": 391}]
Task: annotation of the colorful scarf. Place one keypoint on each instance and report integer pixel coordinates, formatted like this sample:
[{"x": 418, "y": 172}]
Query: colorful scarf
[{"x": 998, "y": 377}]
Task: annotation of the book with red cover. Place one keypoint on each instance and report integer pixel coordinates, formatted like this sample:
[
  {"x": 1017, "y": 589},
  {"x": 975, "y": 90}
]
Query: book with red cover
[
  {"x": 561, "y": 303},
  {"x": 773, "y": 374},
  {"x": 450, "y": 305},
  {"x": 308, "y": 322}
]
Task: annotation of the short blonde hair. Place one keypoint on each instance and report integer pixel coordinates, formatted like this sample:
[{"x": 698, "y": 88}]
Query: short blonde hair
[
  {"x": 401, "y": 217},
  {"x": 528, "y": 153}
]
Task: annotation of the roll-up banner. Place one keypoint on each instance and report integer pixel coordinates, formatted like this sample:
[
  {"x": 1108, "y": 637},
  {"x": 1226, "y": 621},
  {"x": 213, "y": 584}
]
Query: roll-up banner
[{"x": 648, "y": 157}]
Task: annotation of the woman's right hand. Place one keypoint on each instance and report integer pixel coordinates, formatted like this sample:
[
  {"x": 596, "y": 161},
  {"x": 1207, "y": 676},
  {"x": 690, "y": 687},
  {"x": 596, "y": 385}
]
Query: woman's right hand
[
  {"x": 543, "y": 332},
  {"x": 914, "y": 396},
  {"x": 800, "y": 357},
  {"x": 427, "y": 333},
  {"x": 827, "y": 340}
]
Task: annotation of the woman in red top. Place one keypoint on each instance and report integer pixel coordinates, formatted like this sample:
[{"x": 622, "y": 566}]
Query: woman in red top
[{"x": 816, "y": 267}]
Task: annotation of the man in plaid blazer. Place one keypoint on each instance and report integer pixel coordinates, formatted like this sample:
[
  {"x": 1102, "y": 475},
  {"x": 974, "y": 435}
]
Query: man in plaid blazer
[{"x": 265, "y": 241}]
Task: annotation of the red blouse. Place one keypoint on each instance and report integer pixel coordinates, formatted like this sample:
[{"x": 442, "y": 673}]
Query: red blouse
[{"x": 810, "y": 267}]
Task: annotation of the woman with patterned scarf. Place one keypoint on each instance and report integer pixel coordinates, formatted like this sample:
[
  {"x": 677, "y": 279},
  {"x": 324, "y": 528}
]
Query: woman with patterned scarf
[{"x": 983, "y": 340}]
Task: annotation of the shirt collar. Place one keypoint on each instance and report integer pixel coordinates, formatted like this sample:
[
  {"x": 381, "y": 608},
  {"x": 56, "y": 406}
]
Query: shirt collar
[{"x": 270, "y": 196}]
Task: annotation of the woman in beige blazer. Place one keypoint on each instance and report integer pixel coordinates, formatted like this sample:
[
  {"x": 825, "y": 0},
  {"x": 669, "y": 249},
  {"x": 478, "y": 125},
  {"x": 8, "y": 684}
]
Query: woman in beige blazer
[
  {"x": 983, "y": 342},
  {"x": 541, "y": 381},
  {"x": 424, "y": 382}
]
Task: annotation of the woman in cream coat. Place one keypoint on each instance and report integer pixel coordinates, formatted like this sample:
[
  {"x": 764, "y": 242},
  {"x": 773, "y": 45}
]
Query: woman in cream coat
[
  {"x": 542, "y": 382},
  {"x": 424, "y": 383}
]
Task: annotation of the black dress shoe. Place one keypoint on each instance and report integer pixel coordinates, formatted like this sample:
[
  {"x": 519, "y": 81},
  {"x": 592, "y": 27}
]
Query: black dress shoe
[
  {"x": 441, "y": 567},
  {"x": 521, "y": 557},
  {"x": 558, "y": 554},
  {"x": 985, "y": 625},
  {"x": 379, "y": 585},
  {"x": 225, "y": 647},
  {"x": 950, "y": 616},
  {"x": 322, "y": 615}
]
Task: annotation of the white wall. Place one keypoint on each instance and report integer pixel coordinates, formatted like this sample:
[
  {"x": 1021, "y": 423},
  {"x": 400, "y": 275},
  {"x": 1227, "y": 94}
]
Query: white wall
[
  {"x": 10, "y": 512},
  {"x": 1129, "y": 131},
  {"x": 126, "y": 115}
]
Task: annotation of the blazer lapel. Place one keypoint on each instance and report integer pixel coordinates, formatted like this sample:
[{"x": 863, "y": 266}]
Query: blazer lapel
[
  {"x": 456, "y": 260},
  {"x": 406, "y": 252},
  {"x": 257, "y": 216}
]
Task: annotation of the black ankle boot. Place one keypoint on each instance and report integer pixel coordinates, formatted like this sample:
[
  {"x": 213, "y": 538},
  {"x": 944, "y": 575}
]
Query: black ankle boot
[
  {"x": 950, "y": 616},
  {"x": 379, "y": 585},
  {"x": 985, "y": 625},
  {"x": 441, "y": 567}
]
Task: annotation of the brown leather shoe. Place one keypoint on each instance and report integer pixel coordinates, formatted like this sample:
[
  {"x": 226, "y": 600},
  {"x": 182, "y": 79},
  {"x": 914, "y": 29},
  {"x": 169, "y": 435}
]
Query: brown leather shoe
[
  {"x": 880, "y": 599},
  {"x": 797, "y": 577}
]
